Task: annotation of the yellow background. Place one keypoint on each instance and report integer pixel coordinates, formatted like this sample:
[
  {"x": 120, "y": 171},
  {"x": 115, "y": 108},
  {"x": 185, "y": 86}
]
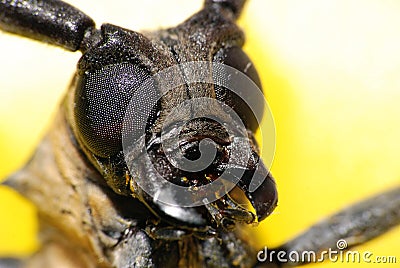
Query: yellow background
[{"x": 331, "y": 73}]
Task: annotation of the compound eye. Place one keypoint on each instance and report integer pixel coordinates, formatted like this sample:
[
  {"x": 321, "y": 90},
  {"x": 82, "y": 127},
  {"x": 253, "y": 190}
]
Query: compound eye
[
  {"x": 248, "y": 111},
  {"x": 101, "y": 100}
]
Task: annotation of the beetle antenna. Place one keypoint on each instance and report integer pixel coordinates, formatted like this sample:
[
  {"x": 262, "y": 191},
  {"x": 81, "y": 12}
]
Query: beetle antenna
[
  {"x": 235, "y": 6},
  {"x": 42, "y": 20}
]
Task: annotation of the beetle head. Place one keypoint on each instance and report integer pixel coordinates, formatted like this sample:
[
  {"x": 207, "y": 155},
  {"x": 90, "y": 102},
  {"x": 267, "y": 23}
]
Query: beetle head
[{"x": 145, "y": 107}]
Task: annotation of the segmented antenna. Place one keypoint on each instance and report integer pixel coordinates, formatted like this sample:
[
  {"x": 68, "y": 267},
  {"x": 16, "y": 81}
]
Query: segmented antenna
[{"x": 50, "y": 21}]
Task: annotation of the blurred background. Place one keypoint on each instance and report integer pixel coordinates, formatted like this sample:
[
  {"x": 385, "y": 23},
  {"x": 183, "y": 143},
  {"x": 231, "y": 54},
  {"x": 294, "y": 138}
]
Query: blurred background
[{"x": 331, "y": 74}]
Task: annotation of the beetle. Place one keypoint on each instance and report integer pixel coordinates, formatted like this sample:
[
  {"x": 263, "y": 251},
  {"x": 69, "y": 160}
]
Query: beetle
[
  {"x": 174, "y": 233},
  {"x": 92, "y": 130}
]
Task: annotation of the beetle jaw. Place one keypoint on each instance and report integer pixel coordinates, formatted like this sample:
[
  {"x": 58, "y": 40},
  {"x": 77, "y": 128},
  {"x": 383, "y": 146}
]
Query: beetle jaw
[
  {"x": 263, "y": 199},
  {"x": 226, "y": 209}
]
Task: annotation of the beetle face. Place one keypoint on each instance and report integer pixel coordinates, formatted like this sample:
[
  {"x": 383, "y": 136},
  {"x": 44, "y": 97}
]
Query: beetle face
[{"x": 187, "y": 132}]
